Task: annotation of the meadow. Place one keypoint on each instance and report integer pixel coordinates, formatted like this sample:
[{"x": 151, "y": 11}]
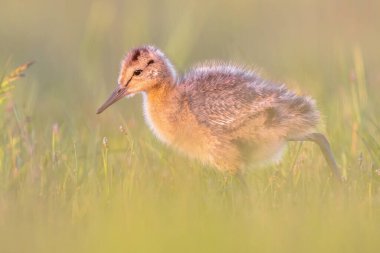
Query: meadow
[{"x": 74, "y": 181}]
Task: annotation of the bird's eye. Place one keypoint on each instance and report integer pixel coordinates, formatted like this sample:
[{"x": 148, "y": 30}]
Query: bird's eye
[{"x": 137, "y": 72}]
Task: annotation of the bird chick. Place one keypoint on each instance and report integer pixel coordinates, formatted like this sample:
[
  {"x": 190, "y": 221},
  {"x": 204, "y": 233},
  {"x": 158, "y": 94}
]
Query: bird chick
[{"x": 221, "y": 114}]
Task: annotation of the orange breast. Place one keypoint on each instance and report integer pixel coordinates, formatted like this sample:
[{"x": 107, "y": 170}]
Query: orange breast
[{"x": 177, "y": 128}]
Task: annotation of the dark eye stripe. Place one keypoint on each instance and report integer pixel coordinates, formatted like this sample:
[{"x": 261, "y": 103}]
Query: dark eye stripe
[{"x": 137, "y": 72}]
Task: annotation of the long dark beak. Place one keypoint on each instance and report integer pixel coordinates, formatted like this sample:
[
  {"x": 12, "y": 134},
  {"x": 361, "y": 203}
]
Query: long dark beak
[{"x": 116, "y": 95}]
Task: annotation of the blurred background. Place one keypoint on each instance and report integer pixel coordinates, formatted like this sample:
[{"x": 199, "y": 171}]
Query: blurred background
[
  {"x": 64, "y": 187},
  {"x": 77, "y": 47}
]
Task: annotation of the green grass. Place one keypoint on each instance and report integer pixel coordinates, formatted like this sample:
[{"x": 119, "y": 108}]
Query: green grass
[
  {"x": 71, "y": 190},
  {"x": 72, "y": 181}
]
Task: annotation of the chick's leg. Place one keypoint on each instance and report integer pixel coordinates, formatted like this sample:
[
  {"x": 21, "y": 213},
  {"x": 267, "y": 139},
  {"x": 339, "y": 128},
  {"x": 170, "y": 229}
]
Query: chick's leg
[{"x": 324, "y": 145}]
